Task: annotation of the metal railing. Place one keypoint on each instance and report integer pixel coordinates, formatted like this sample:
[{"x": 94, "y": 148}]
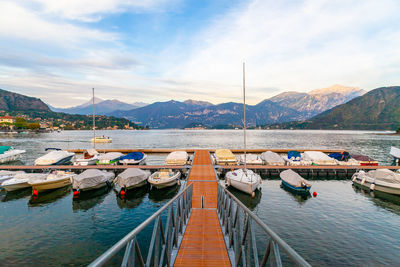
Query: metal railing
[
  {"x": 165, "y": 240},
  {"x": 237, "y": 223}
]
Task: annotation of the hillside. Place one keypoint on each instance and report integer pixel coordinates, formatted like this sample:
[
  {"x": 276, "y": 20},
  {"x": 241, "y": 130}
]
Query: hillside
[
  {"x": 10, "y": 101},
  {"x": 378, "y": 109}
]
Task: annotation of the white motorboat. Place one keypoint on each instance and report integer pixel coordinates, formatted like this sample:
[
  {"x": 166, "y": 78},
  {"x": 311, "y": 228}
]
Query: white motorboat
[
  {"x": 383, "y": 180},
  {"x": 251, "y": 159},
  {"x": 52, "y": 181},
  {"x": 243, "y": 179},
  {"x": 7, "y": 175},
  {"x": 164, "y": 178},
  {"x": 8, "y": 154},
  {"x": 131, "y": 178},
  {"x": 90, "y": 157},
  {"x": 21, "y": 181},
  {"x": 55, "y": 157},
  {"x": 133, "y": 158},
  {"x": 97, "y": 139},
  {"x": 91, "y": 179},
  {"x": 109, "y": 158},
  {"x": 294, "y": 182},
  {"x": 177, "y": 158},
  {"x": 272, "y": 158},
  {"x": 101, "y": 139},
  {"x": 395, "y": 153}
]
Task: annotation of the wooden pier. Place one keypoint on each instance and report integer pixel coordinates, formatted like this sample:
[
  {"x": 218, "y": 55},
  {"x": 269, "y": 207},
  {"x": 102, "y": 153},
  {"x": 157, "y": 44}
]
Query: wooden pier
[{"x": 203, "y": 243}]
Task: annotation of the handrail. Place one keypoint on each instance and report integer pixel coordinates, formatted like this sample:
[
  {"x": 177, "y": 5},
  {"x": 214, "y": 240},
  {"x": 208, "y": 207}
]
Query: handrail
[
  {"x": 174, "y": 228},
  {"x": 236, "y": 235}
]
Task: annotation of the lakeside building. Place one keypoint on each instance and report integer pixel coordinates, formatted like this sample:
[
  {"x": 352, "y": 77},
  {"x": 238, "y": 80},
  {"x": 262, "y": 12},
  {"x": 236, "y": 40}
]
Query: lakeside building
[{"x": 7, "y": 119}]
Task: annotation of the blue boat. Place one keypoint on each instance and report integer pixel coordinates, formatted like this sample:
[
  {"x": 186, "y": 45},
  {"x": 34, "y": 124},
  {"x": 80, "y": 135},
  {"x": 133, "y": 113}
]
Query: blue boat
[
  {"x": 294, "y": 182},
  {"x": 133, "y": 158}
]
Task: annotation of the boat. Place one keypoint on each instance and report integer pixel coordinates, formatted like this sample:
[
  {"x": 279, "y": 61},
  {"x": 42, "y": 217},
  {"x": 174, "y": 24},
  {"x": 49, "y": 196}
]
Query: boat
[
  {"x": 90, "y": 157},
  {"x": 8, "y": 154},
  {"x": 177, "y": 158},
  {"x": 131, "y": 178},
  {"x": 395, "y": 153},
  {"x": 243, "y": 179},
  {"x": 365, "y": 160},
  {"x": 224, "y": 157},
  {"x": 91, "y": 179},
  {"x": 383, "y": 180},
  {"x": 133, "y": 158},
  {"x": 110, "y": 158},
  {"x": 101, "y": 139},
  {"x": 294, "y": 158},
  {"x": 251, "y": 159},
  {"x": 272, "y": 159},
  {"x": 7, "y": 175},
  {"x": 164, "y": 178},
  {"x": 21, "y": 181},
  {"x": 318, "y": 158},
  {"x": 55, "y": 180},
  {"x": 55, "y": 157},
  {"x": 344, "y": 159},
  {"x": 294, "y": 182}
]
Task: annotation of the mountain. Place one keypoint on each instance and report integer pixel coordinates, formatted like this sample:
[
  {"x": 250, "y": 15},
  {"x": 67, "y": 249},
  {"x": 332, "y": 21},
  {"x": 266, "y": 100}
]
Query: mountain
[
  {"x": 318, "y": 100},
  {"x": 378, "y": 109},
  {"x": 10, "y": 101},
  {"x": 102, "y": 107},
  {"x": 175, "y": 114}
]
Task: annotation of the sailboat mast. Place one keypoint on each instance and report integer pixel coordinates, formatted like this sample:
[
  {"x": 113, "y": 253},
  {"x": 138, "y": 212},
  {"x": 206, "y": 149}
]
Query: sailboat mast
[
  {"x": 94, "y": 125},
  {"x": 244, "y": 115}
]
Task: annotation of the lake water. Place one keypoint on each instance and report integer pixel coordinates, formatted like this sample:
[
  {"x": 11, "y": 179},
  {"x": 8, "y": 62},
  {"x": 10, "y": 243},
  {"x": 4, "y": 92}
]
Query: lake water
[{"x": 342, "y": 226}]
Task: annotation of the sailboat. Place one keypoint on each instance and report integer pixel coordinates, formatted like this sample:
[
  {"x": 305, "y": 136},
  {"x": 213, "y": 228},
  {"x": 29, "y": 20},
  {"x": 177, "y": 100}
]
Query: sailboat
[
  {"x": 98, "y": 139},
  {"x": 243, "y": 179}
]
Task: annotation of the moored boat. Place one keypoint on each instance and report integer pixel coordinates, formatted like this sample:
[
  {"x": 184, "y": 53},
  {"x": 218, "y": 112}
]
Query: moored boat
[
  {"x": 293, "y": 181},
  {"x": 54, "y": 180},
  {"x": 55, "y": 157},
  {"x": 177, "y": 158},
  {"x": 383, "y": 180},
  {"x": 244, "y": 180},
  {"x": 7, "y": 175},
  {"x": 131, "y": 178},
  {"x": 109, "y": 158},
  {"x": 91, "y": 179},
  {"x": 90, "y": 157},
  {"x": 251, "y": 159},
  {"x": 164, "y": 178},
  {"x": 295, "y": 158},
  {"x": 395, "y": 153},
  {"x": 224, "y": 157},
  {"x": 365, "y": 160},
  {"x": 21, "y": 181},
  {"x": 133, "y": 158},
  {"x": 101, "y": 139},
  {"x": 318, "y": 158},
  {"x": 272, "y": 159},
  {"x": 8, "y": 154}
]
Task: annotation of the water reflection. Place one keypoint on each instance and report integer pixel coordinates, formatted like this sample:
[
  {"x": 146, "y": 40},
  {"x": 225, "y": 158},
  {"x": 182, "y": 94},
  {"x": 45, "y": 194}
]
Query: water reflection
[
  {"x": 17, "y": 194},
  {"x": 89, "y": 199},
  {"x": 384, "y": 200},
  {"x": 161, "y": 195},
  {"x": 45, "y": 198},
  {"x": 300, "y": 197},
  {"x": 246, "y": 199},
  {"x": 133, "y": 198}
]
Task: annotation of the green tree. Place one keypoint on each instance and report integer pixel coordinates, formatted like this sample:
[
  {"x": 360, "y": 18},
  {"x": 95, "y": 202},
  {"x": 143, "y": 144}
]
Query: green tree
[
  {"x": 20, "y": 123},
  {"x": 398, "y": 130},
  {"x": 33, "y": 126}
]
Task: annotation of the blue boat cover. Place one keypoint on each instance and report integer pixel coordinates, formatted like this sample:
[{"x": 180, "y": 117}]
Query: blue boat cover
[
  {"x": 4, "y": 149},
  {"x": 343, "y": 156},
  {"x": 133, "y": 155},
  {"x": 293, "y": 154}
]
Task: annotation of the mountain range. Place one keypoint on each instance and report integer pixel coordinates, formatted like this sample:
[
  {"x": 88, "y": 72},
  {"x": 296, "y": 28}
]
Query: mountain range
[
  {"x": 285, "y": 107},
  {"x": 10, "y": 101}
]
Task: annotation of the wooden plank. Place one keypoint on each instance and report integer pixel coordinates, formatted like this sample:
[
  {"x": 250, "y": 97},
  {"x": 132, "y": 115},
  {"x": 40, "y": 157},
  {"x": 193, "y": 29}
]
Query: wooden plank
[
  {"x": 312, "y": 167},
  {"x": 103, "y": 167}
]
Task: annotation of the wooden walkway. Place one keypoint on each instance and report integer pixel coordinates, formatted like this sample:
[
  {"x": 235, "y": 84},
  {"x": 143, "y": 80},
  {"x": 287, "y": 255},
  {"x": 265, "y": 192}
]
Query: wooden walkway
[{"x": 203, "y": 243}]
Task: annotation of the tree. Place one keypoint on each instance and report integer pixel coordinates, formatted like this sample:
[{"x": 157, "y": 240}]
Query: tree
[
  {"x": 398, "y": 130},
  {"x": 33, "y": 126},
  {"x": 20, "y": 123}
]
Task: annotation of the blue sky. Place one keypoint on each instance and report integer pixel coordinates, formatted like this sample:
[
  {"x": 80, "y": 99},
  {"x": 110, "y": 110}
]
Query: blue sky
[{"x": 156, "y": 50}]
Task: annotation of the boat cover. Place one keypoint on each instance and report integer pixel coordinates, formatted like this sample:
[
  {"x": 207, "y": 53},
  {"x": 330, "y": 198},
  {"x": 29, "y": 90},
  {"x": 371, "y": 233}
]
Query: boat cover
[
  {"x": 224, "y": 154},
  {"x": 133, "y": 155},
  {"x": 294, "y": 155},
  {"x": 110, "y": 156},
  {"x": 293, "y": 178},
  {"x": 9, "y": 173},
  {"x": 91, "y": 178},
  {"x": 4, "y": 149},
  {"x": 251, "y": 159},
  {"x": 319, "y": 158},
  {"x": 92, "y": 152},
  {"x": 131, "y": 176},
  {"x": 341, "y": 156},
  {"x": 24, "y": 177},
  {"x": 362, "y": 158},
  {"x": 247, "y": 177},
  {"x": 177, "y": 157},
  {"x": 385, "y": 175},
  {"x": 395, "y": 152},
  {"x": 272, "y": 158},
  {"x": 53, "y": 157}
]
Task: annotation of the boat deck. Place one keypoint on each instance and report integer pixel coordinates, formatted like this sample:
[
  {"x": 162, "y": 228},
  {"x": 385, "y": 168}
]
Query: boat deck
[{"x": 203, "y": 243}]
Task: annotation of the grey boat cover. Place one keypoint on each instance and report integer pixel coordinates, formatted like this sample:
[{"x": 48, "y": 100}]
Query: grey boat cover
[
  {"x": 110, "y": 156},
  {"x": 91, "y": 178},
  {"x": 272, "y": 158},
  {"x": 385, "y": 175},
  {"x": 132, "y": 176},
  {"x": 9, "y": 173},
  {"x": 293, "y": 178}
]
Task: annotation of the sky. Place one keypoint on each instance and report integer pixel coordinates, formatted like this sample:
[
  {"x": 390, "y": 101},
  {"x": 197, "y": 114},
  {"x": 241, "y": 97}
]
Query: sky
[{"x": 157, "y": 50}]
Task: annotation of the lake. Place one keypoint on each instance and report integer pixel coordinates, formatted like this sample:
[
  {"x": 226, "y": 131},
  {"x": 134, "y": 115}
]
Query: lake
[{"x": 342, "y": 226}]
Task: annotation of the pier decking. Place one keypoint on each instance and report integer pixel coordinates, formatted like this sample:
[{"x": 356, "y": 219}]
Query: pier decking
[{"x": 203, "y": 243}]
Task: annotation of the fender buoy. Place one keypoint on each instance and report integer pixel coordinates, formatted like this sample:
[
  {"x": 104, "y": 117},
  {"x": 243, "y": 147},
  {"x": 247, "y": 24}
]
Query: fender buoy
[
  {"x": 353, "y": 179},
  {"x": 372, "y": 187},
  {"x": 314, "y": 194},
  {"x": 229, "y": 182},
  {"x": 179, "y": 182},
  {"x": 253, "y": 194},
  {"x": 363, "y": 181}
]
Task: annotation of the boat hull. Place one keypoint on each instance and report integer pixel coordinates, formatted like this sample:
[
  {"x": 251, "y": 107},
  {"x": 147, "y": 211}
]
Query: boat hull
[
  {"x": 244, "y": 187},
  {"x": 51, "y": 185},
  {"x": 299, "y": 190},
  {"x": 162, "y": 183},
  {"x": 381, "y": 188},
  {"x": 14, "y": 187}
]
